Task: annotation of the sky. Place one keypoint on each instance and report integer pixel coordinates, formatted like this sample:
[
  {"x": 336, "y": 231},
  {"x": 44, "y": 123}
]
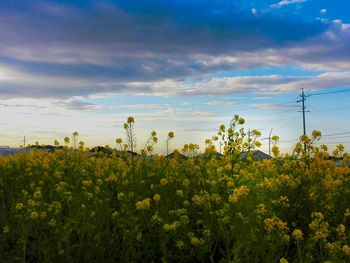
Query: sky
[{"x": 182, "y": 66}]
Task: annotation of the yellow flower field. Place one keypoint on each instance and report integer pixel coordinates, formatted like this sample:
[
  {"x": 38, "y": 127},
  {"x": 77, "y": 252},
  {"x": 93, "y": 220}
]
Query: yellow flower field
[{"x": 71, "y": 206}]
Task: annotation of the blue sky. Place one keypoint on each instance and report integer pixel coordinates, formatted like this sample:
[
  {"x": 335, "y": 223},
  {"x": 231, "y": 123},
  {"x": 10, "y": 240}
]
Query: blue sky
[{"x": 186, "y": 66}]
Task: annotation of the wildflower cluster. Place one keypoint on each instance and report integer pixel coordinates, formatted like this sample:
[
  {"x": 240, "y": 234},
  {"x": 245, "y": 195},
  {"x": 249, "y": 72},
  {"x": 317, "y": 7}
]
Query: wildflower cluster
[{"x": 77, "y": 205}]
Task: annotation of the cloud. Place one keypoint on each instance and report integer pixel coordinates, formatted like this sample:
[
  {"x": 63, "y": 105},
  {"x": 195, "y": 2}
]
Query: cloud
[
  {"x": 52, "y": 50},
  {"x": 8, "y": 105},
  {"x": 267, "y": 84},
  {"x": 323, "y": 11},
  {"x": 268, "y": 106},
  {"x": 222, "y": 103},
  {"x": 287, "y": 2},
  {"x": 76, "y": 105}
]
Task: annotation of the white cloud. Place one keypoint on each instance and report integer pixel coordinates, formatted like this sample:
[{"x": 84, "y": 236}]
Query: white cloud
[
  {"x": 222, "y": 103},
  {"x": 268, "y": 106},
  {"x": 287, "y": 2},
  {"x": 323, "y": 11},
  {"x": 267, "y": 84}
]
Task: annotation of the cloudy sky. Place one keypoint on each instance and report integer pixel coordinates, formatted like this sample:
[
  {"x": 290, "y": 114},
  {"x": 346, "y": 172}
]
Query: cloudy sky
[{"x": 182, "y": 66}]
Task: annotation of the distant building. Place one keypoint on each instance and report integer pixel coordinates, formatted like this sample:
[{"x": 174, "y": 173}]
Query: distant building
[
  {"x": 176, "y": 154},
  {"x": 257, "y": 154},
  {"x": 216, "y": 155},
  {"x": 11, "y": 151}
]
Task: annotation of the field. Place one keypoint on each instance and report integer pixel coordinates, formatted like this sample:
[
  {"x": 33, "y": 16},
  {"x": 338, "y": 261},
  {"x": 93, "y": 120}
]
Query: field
[{"x": 71, "y": 206}]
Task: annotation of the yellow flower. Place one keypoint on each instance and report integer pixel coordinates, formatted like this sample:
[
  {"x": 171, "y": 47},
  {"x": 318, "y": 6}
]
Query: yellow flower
[
  {"x": 207, "y": 233},
  {"x": 115, "y": 214},
  {"x": 316, "y": 133},
  {"x": 163, "y": 181},
  {"x": 19, "y": 206},
  {"x": 52, "y": 222},
  {"x": 283, "y": 260},
  {"x": 241, "y": 121},
  {"x": 346, "y": 249},
  {"x": 238, "y": 193},
  {"x": 257, "y": 144},
  {"x": 156, "y": 197},
  {"x": 228, "y": 167},
  {"x": 37, "y": 195},
  {"x": 260, "y": 209},
  {"x": 198, "y": 200},
  {"x": 275, "y": 150},
  {"x": 87, "y": 183},
  {"x": 6, "y": 229},
  {"x": 297, "y": 234},
  {"x": 274, "y": 223},
  {"x": 34, "y": 215},
  {"x": 186, "y": 182},
  {"x": 341, "y": 229},
  {"x": 120, "y": 196},
  {"x": 144, "y": 204},
  {"x": 180, "y": 244},
  {"x": 130, "y": 120},
  {"x": 195, "y": 241},
  {"x": 275, "y": 138},
  {"x": 31, "y": 203},
  {"x": 347, "y": 213},
  {"x": 179, "y": 193},
  {"x": 99, "y": 182},
  {"x": 171, "y": 135}
]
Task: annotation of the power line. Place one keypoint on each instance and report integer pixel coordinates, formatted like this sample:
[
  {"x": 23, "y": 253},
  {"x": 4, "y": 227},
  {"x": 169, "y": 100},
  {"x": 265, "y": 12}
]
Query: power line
[
  {"x": 330, "y": 92},
  {"x": 337, "y": 142},
  {"x": 331, "y": 109},
  {"x": 336, "y": 134}
]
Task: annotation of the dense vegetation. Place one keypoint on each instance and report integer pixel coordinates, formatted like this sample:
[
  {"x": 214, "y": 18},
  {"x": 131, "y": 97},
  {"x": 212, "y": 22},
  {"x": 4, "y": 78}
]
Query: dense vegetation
[{"x": 72, "y": 206}]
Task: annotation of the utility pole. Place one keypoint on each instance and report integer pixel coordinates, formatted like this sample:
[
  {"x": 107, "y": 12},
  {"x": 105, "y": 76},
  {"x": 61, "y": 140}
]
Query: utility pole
[
  {"x": 303, "y": 99},
  {"x": 24, "y": 141},
  {"x": 270, "y": 142},
  {"x": 269, "y": 138}
]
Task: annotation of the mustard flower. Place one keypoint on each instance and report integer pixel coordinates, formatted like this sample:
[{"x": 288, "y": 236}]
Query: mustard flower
[
  {"x": 156, "y": 197},
  {"x": 180, "y": 245},
  {"x": 346, "y": 249},
  {"x": 195, "y": 241},
  {"x": 341, "y": 229},
  {"x": 19, "y": 206},
  {"x": 186, "y": 182},
  {"x": 6, "y": 229},
  {"x": 52, "y": 223},
  {"x": 171, "y": 135},
  {"x": 144, "y": 204},
  {"x": 130, "y": 120},
  {"x": 179, "y": 193},
  {"x": 163, "y": 181},
  {"x": 120, "y": 196},
  {"x": 34, "y": 215},
  {"x": 37, "y": 195},
  {"x": 297, "y": 234}
]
